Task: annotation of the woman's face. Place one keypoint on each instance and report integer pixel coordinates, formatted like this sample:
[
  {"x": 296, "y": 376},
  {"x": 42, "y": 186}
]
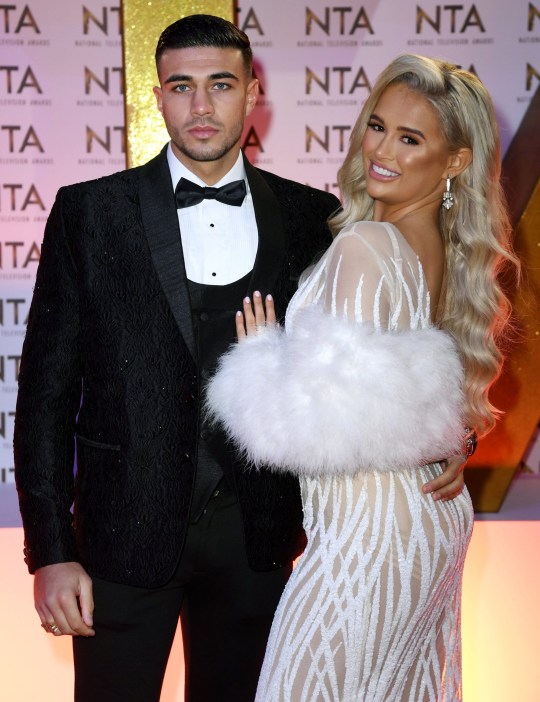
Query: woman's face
[{"x": 406, "y": 158}]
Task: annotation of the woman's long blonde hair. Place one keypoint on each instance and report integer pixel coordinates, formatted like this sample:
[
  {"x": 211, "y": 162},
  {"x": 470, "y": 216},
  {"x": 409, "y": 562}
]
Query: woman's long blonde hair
[{"x": 476, "y": 230}]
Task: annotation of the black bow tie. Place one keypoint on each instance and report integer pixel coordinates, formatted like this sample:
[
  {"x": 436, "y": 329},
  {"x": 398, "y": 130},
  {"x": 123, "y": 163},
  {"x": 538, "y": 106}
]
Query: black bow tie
[{"x": 188, "y": 193}]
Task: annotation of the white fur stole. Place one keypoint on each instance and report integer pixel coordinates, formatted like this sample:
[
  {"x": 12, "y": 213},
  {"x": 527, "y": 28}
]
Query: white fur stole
[{"x": 333, "y": 397}]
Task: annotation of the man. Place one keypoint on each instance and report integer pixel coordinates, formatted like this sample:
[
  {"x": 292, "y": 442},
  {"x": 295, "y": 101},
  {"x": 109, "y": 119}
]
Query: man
[{"x": 140, "y": 277}]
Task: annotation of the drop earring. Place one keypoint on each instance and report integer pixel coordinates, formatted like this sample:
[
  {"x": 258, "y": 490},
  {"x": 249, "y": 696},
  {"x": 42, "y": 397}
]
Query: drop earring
[{"x": 448, "y": 197}]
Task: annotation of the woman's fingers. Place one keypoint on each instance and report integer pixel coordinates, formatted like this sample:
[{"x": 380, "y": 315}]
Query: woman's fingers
[
  {"x": 240, "y": 328},
  {"x": 254, "y": 317},
  {"x": 270, "y": 310},
  {"x": 260, "y": 316},
  {"x": 249, "y": 317}
]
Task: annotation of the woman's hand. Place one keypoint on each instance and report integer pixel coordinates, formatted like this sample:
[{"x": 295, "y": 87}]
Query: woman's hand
[{"x": 253, "y": 318}]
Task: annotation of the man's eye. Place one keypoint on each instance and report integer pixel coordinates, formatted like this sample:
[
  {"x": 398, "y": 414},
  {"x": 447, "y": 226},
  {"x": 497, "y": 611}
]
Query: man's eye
[
  {"x": 221, "y": 86},
  {"x": 181, "y": 88}
]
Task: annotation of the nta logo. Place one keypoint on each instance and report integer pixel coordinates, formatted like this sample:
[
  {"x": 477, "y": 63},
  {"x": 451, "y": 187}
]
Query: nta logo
[
  {"x": 16, "y": 84},
  {"x": 449, "y": 18},
  {"x": 251, "y": 22},
  {"x": 104, "y": 82},
  {"x": 109, "y": 16},
  {"x": 19, "y": 197},
  {"x": 341, "y": 78},
  {"x": 13, "y": 22},
  {"x": 344, "y": 20},
  {"x": 19, "y": 254},
  {"x": 18, "y": 139},
  {"x": 335, "y": 136},
  {"x": 13, "y": 311},
  {"x": 533, "y": 15},
  {"x": 530, "y": 75},
  {"x": 106, "y": 141}
]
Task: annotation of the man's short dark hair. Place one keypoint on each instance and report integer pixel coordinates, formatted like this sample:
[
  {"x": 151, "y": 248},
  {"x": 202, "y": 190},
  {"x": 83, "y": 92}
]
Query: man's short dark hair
[{"x": 205, "y": 30}]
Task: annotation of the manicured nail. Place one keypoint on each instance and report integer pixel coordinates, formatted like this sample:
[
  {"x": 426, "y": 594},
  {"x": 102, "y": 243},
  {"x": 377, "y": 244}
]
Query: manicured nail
[
  {"x": 256, "y": 293},
  {"x": 269, "y": 297},
  {"x": 246, "y": 300}
]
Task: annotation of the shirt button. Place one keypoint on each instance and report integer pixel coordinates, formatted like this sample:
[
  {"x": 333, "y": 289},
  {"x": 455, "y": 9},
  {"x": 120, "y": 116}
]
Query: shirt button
[{"x": 204, "y": 317}]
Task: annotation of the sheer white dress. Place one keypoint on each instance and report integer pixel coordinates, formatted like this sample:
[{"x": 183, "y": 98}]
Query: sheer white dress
[{"x": 372, "y": 609}]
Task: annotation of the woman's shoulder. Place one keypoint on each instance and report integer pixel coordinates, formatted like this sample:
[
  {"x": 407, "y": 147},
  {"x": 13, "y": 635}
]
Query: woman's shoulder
[{"x": 380, "y": 238}]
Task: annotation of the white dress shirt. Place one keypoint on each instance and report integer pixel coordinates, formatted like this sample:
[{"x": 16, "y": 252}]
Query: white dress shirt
[{"x": 219, "y": 241}]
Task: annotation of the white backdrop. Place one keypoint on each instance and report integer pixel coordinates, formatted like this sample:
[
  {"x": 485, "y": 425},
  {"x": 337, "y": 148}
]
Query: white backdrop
[
  {"x": 61, "y": 106},
  {"x": 61, "y": 121}
]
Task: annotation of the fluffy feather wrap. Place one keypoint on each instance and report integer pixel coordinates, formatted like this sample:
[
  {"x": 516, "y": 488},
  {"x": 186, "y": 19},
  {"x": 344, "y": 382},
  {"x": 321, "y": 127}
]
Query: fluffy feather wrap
[{"x": 333, "y": 397}]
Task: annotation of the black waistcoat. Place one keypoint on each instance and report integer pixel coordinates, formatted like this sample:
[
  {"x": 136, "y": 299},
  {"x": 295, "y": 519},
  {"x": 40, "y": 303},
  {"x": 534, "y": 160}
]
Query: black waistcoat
[{"x": 213, "y": 312}]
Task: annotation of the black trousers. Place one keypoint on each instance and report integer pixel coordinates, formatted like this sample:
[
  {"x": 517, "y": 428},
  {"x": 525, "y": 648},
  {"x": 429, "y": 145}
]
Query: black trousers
[{"x": 226, "y": 610}]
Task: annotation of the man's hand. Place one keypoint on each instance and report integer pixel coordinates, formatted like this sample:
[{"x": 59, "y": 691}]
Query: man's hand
[
  {"x": 451, "y": 482},
  {"x": 63, "y": 599}
]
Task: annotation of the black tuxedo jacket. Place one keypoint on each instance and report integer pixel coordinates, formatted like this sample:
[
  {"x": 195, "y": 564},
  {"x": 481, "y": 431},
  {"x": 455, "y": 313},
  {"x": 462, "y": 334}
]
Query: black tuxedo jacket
[{"x": 109, "y": 369}]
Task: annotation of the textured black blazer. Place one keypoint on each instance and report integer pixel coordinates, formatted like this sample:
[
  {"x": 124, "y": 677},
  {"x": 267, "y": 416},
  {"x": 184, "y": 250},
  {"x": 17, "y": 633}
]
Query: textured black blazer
[{"x": 108, "y": 370}]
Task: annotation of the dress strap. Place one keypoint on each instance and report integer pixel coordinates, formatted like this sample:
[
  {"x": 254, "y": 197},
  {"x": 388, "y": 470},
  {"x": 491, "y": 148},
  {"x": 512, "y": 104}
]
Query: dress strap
[{"x": 395, "y": 246}]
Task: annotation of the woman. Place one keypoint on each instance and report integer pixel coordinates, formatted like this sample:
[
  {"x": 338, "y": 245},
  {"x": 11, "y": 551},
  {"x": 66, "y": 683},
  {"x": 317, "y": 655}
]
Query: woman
[{"x": 390, "y": 347}]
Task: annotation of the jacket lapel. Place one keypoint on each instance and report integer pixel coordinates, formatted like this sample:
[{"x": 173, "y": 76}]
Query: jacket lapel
[
  {"x": 271, "y": 250},
  {"x": 160, "y": 222}
]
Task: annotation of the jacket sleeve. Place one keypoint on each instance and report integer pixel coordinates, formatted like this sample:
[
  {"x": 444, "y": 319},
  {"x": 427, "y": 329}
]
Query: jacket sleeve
[
  {"x": 47, "y": 403},
  {"x": 338, "y": 392}
]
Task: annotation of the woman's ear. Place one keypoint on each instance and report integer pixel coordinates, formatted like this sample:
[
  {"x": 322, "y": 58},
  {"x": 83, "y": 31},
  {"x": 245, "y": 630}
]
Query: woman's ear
[{"x": 458, "y": 162}]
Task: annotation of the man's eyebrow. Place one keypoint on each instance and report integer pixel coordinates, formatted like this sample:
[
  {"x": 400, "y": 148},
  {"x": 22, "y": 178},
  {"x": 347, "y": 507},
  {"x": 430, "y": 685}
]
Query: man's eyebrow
[
  {"x": 410, "y": 130},
  {"x": 184, "y": 78}
]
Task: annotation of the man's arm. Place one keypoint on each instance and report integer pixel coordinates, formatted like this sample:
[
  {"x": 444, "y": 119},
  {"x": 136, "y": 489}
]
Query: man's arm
[
  {"x": 450, "y": 483},
  {"x": 48, "y": 402}
]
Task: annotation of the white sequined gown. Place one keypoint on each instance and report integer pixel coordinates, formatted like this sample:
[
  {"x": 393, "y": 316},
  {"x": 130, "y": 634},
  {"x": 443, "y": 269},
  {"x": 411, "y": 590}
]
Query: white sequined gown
[{"x": 371, "y": 612}]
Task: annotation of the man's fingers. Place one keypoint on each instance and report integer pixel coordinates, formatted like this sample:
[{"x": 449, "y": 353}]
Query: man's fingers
[
  {"x": 47, "y": 618},
  {"x": 450, "y": 483},
  {"x": 86, "y": 603},
  {"x": 442, "y": 489},
  {"x": 67, "y": 618},
  {"x": 75, "y": 624},
  {"x": 448, "y": 492},
  {"x": 54, "y": 621},
  {"x": 58, "y": 588}
]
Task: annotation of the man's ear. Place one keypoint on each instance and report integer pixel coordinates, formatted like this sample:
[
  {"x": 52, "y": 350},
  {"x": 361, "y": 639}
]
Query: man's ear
[
  {"x": 252, "y": 94},
  {"x": 458, "y": 162},
  {"x": 158, "y": 94}
]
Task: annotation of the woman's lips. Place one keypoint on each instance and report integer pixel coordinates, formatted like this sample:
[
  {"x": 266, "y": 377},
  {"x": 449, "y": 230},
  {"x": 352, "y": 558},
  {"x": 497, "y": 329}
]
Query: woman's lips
[{"x": 381, "y": 173}]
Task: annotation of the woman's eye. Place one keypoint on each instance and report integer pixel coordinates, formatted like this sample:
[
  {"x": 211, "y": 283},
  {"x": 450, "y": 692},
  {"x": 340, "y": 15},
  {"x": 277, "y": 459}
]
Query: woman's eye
[{"x": 375, "y": 126}]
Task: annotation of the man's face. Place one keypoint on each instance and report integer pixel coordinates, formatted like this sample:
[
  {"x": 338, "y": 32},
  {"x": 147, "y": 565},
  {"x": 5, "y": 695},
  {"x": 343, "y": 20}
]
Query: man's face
[{"x": 204, "y": 97}]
